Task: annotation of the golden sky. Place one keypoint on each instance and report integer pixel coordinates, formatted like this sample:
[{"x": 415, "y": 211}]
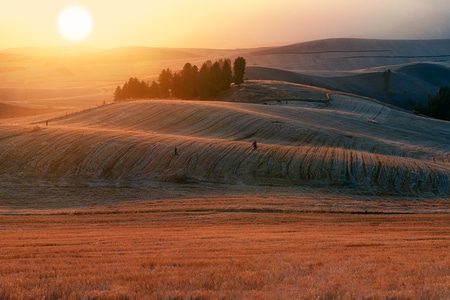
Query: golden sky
[{"x": 223, "y": 24}]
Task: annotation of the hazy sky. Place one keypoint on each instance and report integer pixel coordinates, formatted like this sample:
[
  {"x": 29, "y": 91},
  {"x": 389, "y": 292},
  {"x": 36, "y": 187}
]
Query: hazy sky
[{"x": 224, "y": 24}]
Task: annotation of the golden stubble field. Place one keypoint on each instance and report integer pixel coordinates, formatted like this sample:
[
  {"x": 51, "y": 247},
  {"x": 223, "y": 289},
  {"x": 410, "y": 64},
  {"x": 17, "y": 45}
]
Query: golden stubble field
[
  {"x": 345, "y": 198},
  {"x": 223, "y": 248}
]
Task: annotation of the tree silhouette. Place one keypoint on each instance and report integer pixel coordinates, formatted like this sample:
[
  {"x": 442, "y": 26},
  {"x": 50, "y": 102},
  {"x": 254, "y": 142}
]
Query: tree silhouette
[
  {"x": 216, "y": 78},
  {"x": 227, "y": 75},
  {"x": 176, "y": 88},
  {"x": 118, "y": 95},
  {"x": 188, "y": 83},
  {"x": 153, "y": 91},
  {"x": 438, "y": 105},
  {"x": 239, "y": 70},
  {"x": 204, "y": 82},
  {"x": 387, "y": 79},
  {"x": 188, "y": 77},
  {"x": 165, "y": 83}
]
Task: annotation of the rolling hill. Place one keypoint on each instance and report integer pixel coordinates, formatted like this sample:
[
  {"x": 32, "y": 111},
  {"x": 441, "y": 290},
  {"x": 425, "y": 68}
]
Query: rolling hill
[
  {"x": 331, "y": 56},
  {"x": 347, "y": 143},
  {"x": 419, "y": 68},
  {"x": 320, "y": 112},
  {"x": 408, "y": 86},
  {"x": 130, "y": 199}
]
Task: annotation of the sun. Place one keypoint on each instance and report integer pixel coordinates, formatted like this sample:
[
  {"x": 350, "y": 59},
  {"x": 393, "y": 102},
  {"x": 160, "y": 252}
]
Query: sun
[{"x": 75, "y": 23}]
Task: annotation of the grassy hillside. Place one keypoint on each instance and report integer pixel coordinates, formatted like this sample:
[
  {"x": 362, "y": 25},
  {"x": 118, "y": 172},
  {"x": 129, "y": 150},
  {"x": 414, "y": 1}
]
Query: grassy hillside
[
  {"x": 419, "y": 67},
  {"x": 409, "y": 85},
  {"x": 346, "y": 142},
  {"x": 344, "y": 197}
]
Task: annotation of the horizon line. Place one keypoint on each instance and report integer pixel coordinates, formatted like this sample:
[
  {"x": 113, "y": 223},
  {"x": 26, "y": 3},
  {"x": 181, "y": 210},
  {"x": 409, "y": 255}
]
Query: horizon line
[{"x": 218, "y": 48}]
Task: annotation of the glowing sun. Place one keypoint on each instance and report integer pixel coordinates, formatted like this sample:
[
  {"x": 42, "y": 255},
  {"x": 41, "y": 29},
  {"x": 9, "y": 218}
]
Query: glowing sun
[{"x": 75, "y": 23}]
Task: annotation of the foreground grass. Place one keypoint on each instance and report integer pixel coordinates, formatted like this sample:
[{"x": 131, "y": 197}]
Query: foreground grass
[{"x": 178, "y": 253}]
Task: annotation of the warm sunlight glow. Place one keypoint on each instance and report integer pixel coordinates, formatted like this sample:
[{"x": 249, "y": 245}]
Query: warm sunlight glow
[
  {"x": 254, "y": 23},
  {"x": 75, "y": 23}
]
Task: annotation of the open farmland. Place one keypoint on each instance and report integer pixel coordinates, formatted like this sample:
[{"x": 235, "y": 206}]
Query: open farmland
[
  {"x": 345, "y": 142},
  {"x": 216, "y": 248},
  {"x": 345, "y": 197}
]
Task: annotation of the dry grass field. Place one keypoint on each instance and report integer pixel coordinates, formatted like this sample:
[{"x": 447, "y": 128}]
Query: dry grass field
[
  {"x": 343, "y": 141},
  {"x": 223, "y": 248},
  {"x": 344, "y": 198}
]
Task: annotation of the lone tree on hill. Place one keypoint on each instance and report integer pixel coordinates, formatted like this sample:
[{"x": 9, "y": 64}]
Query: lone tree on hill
[{"x": 239, "y": 70}]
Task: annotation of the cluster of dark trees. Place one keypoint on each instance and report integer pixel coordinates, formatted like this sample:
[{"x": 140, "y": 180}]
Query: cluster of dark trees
[
  {"x": 438, "y": 105},
  {"x": 189, "y": 83}
]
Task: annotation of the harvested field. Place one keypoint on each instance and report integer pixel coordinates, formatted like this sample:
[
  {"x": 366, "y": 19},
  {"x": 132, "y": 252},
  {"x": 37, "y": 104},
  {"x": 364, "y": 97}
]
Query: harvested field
[
  {"x": 343, "y": 198},
  {"x": 215, "y": 249},
  {"x": 345, "y": 142}
]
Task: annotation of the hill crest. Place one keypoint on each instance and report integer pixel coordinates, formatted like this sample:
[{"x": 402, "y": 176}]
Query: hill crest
[{"x": 347, "y": 143}]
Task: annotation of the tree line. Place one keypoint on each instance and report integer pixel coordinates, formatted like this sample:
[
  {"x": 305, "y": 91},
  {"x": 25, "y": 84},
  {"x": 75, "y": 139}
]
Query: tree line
[
  {"x": 438, "y": 105},
  {"x": 189, "y": 83}
]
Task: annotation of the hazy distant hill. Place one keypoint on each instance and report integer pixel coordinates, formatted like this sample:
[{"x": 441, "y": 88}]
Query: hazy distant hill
[
  {"x": 419, "y": 68},
  {"x": 434, "y": 74},
  {"x": 351, "y": 54},
  {"x": 12, "y": 111},
  {"x": 50, "y": 51},
  {"x": 132, "y": 55}
]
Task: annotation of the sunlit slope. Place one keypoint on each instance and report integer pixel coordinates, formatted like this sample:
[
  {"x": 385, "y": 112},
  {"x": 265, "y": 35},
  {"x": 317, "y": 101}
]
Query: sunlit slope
[{"x": 345, "y": 142}]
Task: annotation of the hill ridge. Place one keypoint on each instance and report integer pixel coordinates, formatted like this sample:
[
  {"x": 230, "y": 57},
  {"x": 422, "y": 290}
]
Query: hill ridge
[{"x": 350, "y": 143}]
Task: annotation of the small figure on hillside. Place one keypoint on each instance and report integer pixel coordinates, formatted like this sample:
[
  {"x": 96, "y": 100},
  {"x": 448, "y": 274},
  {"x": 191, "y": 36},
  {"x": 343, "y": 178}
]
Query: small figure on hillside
[
  {"x": 46, "y": 123},
  {"x": 175, "y": 151},
  {"x": 255, "y": 145}
]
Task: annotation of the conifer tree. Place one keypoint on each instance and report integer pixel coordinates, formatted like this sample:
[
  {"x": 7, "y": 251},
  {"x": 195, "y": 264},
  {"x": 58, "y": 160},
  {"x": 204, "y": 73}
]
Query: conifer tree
[
  {"x": 239, "y": 70},
  {"x": 204, "y": 81},
  {"x": 227, "y": 75},
  {"x": 153, "y": 90},
  {"x": 165, "y": 82},
  {"x": 118, "y": 96},
  {"x": 216, "y": 78}
]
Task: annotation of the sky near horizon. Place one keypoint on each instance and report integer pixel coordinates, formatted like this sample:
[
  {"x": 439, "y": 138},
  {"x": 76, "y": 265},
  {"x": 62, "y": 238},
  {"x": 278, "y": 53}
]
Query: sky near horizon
[{"x": 223, "y": 24}]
